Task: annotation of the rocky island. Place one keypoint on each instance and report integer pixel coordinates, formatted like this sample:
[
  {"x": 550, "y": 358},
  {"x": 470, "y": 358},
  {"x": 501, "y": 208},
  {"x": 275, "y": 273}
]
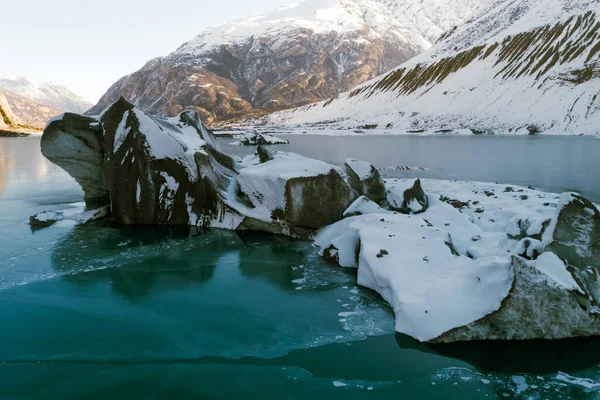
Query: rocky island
[{"x": 457, "y": 261}]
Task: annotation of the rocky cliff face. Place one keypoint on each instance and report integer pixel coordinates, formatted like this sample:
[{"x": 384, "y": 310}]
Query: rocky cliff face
[{"x": 296, "y": 55}]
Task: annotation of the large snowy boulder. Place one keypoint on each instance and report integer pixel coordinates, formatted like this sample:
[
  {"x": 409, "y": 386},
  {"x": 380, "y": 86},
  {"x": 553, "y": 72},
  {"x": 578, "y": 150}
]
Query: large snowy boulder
[
  {"x": 415, "y": 268},
  {"x": 544, "y": 302},
  {"x": 446, "y": 266},
  {"x": 365, "y": 179},
  {"x": 169, "y": 171},
  {"x": 151, "y": 170},
  {"x": 169, "y": 165},
  {"x": 299, "y": 191}
]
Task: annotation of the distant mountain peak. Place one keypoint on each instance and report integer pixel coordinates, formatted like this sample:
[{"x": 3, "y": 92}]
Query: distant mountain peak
[{"x": 45, "y": 93}]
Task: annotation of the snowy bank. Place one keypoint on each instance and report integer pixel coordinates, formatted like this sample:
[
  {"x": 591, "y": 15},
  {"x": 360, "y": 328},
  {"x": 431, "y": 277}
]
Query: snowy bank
[{"x": 473, "y": 264}]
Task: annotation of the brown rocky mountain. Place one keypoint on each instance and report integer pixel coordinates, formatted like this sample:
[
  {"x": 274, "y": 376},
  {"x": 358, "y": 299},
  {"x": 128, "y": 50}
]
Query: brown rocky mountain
[
  {"x": 295, "y": 55},
  {"x": 19, "y": 114}
]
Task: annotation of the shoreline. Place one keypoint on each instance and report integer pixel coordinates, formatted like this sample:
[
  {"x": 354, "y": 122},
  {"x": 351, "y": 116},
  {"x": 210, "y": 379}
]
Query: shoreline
[
  {"x": 298, "y": 131},
  {"x": 4, "y": 133}
]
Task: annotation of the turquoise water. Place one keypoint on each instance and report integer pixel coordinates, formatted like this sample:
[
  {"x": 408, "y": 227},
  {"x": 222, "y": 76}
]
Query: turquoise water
[{"x": 101, "y": 311}]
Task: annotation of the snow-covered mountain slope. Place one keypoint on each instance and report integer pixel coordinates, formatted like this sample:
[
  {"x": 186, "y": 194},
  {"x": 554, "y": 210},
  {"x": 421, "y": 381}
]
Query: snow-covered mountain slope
[
  {"x": 295, "y": 55},
  {"x": 45, "y": 93},
  {"x": 19, "y": 114},
  {"x": 430, "y": 19},
  {"x": 524, "y": 66}
]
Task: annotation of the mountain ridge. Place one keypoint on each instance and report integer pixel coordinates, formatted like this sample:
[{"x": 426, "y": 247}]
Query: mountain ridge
[
  {"x": 45, "y": 93},
  {"x": 524, "y": 66},
  {"x": 295, "y": 55},
  {"x": 19, "y": 114}
]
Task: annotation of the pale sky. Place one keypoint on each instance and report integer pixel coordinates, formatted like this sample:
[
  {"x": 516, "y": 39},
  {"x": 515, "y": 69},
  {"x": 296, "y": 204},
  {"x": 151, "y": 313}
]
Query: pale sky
[{"x": 88, "y": 45}]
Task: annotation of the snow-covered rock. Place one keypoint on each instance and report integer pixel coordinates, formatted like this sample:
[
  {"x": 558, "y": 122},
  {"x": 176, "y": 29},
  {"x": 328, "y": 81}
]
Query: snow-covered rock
[
  {"x": 529, "y": 248},
  {"x": 407, "y": 197},
  {"x": 536, "y": 308},
  {"x": 151, "y": 170},
  {"x": 554, "y": 268},
  {"x": 303, "y": 192},
  {"x": 522, "y": 67},
  {"x": 45, "y": 218},
  {"x": 365, "y": 179},
  {"x": 295, "y": 55},
  {"x": 161, "y": 171},
  {"x": 415, "y": 269},
  {"x": 460, "y": 264},
  {"x": 255, "y": 139}
]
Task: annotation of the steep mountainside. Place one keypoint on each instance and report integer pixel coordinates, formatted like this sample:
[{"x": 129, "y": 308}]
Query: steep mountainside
[
  {"x": 45, "y": 93},
  {"x": 19, "y": 114},
  {"x": 295, "y": 55},
  {"x": 524, "y": 66}
]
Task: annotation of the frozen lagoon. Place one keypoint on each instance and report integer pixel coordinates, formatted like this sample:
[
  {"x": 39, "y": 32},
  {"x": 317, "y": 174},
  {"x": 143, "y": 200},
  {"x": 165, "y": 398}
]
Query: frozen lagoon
[{"x": 97, "y": 311}]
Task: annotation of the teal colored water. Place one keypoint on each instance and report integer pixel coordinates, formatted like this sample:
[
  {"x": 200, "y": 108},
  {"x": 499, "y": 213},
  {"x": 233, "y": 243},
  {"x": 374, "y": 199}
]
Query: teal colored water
[
  {"x": 101, "y": 311},
  {"x": 552, "y": 163}
]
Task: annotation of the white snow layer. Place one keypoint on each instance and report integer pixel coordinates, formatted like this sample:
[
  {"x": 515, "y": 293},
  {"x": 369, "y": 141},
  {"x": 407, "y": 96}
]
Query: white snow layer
[
  {"x": 420, "y": 22},
  {"x": 363, "y": 205},
  {"x": 408, "y": 259},
  {"x": 411, "y": 265},
  {"x": 555, "y": 268},
  {"x": 265, "y": 184}
]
